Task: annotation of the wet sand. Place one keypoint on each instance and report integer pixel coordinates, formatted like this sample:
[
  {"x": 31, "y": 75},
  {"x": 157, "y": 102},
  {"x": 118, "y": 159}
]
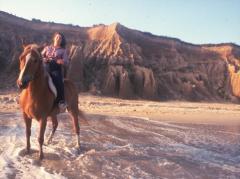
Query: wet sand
[{"x": 128, "y": 139}]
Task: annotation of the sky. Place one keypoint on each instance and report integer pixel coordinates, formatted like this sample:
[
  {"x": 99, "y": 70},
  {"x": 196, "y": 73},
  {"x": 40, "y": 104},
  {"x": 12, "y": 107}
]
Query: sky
[{"x": 194, "y": 21}]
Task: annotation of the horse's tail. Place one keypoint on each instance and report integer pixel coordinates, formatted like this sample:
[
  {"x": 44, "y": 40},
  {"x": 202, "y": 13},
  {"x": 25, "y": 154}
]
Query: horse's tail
[{"x": 72, "y": 93}]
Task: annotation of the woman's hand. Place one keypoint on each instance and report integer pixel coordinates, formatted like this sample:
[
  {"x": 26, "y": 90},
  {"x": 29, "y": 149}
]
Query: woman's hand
[
  {"x": 60, "y": 61},
  {"x": 46, "y": 60}
]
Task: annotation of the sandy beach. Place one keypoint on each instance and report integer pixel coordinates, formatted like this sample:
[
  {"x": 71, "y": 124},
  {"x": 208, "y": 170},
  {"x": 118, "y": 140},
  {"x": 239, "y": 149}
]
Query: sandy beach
[{"x": 127, "y": 139}]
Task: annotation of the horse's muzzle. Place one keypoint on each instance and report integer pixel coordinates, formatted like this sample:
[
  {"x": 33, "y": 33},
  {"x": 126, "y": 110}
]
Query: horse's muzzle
[{"x": 22, "y": 84}]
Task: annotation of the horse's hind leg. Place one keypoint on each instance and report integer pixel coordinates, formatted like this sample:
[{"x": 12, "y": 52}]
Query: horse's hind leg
[
  {"x": 43, "y": 123},
  {"x": 54, "y": 127},
  {"x": 28, "y": 124},
  {"x": 74, "y": 116}
]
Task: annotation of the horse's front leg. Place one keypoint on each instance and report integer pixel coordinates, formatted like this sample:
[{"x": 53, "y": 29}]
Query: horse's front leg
[
  {"x": 43, "y": 122},
  {"x": 28, "y": 124},
  {"x": 54, "y": 127}
]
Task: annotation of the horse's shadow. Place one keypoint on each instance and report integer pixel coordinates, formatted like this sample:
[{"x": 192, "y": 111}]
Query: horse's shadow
[
  {"x": 33, "y": 153},
  {"x": 33, "y": 156},
  {"x": 86, "y": 148}
]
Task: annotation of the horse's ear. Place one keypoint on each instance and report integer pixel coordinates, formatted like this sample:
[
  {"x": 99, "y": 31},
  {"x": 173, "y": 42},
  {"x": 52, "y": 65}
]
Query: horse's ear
[
  {"x": 40, "y": 48},
  {"x": 23, "y": 43},
  {"x": 23, "y": 46}
]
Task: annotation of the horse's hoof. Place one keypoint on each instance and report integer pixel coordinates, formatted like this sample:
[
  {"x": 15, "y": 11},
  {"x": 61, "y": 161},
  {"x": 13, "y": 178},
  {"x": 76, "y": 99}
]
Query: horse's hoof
[
  {"x": 41, "y": 156},
  {"x": 28, "y": 151},
  {"x": 78, "y": 150},
  {"x": 48, "y": 142}
]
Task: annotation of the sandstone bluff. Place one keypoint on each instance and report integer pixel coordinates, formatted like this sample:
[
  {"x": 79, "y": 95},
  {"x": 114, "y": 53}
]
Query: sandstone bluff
[{"x": 117, "y": 61}]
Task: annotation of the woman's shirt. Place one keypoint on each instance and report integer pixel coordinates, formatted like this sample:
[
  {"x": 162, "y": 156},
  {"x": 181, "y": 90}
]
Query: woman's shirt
[{"x": 54, "y": 53}]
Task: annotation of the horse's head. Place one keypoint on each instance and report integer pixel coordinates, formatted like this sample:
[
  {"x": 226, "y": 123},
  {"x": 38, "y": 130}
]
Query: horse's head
[{"x": 30, "y": 62}]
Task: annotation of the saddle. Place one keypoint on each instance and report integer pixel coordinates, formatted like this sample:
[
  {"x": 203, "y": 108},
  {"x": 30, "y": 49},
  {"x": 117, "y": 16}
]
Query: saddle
[{"x": 51, "y": 85}]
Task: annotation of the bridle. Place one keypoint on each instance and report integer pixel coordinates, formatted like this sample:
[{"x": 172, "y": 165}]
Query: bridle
[{"x": 24, "y": 80}]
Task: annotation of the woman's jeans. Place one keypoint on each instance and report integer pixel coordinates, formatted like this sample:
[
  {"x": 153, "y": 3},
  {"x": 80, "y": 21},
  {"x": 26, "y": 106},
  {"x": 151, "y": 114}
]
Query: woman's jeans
[{"x": 55, "y": 72}]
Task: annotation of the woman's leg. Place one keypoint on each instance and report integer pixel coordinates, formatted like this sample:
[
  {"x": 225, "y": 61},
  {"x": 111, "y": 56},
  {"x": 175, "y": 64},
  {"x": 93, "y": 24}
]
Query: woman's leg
[
  {"x": 58, "y": 82},
  {"x": 56, "y": 74}
]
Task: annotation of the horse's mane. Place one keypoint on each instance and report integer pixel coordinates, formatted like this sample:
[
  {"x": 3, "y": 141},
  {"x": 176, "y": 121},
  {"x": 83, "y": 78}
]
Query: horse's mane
[
  {"x": 36, "y": 51},
  {"x": 28, "y": 48}
]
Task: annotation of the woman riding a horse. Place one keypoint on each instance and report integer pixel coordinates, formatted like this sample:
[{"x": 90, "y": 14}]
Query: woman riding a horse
[
  {"x": 37, "y": 100},
  {"x": 54, "y": 57}
]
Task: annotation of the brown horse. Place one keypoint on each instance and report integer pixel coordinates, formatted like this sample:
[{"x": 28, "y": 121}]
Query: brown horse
[{"x": 36, "y": 99}]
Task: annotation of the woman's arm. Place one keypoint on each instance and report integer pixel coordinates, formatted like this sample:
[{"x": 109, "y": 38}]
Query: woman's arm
[
  {"x": 64, "y": 60},
  {"x": 44, "y": 54},
  {"x": 65, "y": 57}
]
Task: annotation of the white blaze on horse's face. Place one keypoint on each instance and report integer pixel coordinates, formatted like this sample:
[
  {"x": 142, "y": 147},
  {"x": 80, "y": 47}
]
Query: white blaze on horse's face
[
  {"x": 29, "y": 65},
  {"x": 28, "y": 57}
]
